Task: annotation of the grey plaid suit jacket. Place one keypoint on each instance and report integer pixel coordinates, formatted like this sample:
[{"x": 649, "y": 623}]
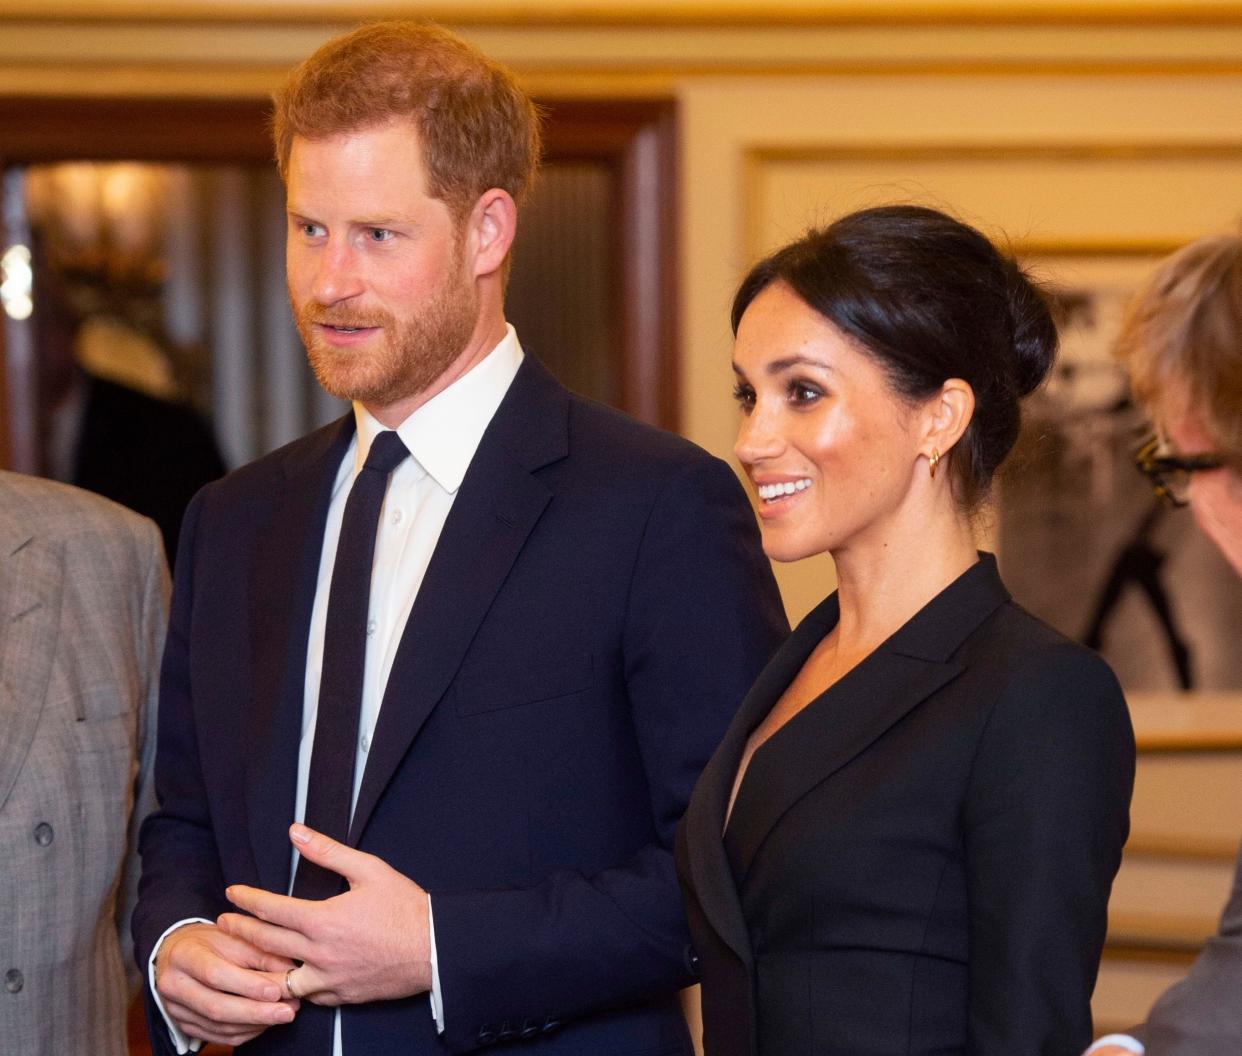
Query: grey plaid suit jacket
[{"x": 83, "y": 600}]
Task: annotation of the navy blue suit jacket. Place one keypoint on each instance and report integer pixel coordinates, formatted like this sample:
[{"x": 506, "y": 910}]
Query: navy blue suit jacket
[{"x": 593, "y": 614}]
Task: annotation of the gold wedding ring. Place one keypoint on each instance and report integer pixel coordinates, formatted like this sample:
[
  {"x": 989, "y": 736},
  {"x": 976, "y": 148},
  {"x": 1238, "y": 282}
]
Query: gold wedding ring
[{"x": 289, "y": 982}]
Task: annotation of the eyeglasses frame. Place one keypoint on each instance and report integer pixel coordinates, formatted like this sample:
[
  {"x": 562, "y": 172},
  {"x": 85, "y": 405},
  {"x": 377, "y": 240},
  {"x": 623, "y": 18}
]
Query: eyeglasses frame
[{"x": 1156, "y": 467}]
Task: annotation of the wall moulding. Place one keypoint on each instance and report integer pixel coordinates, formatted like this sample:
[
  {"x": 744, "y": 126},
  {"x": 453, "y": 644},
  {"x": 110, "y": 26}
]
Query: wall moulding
[
  {"x": 904, "y": 171},
  {"x": 154, "y": 53},
  {"x": 649, "y": 12}
]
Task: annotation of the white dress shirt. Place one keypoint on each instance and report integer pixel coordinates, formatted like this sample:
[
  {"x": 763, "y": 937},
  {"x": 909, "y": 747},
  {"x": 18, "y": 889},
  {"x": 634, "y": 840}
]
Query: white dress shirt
[{"x": 442, "y": 437}]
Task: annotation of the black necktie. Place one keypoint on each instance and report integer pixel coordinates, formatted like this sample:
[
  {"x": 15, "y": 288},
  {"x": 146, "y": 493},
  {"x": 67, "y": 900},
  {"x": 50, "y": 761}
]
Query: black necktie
[{"x": 330, "y": 786}]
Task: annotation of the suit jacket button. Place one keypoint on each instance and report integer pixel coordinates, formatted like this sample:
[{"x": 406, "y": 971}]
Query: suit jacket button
[
  {"x": 529, "y": 1029},
  {"x": 691, "y": 957},
  {"x": 13, "y": 981},
  {"x": 486, "y": 1035},
  {"x": 43, "y": 834},
  {"x": 550, "y": 1024},
  {"x": 506, "y": 1032}
]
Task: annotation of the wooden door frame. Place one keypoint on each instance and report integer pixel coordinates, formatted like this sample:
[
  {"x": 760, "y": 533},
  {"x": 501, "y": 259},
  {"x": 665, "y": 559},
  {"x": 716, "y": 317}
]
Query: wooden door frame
[{"x": 635, "y": 139}]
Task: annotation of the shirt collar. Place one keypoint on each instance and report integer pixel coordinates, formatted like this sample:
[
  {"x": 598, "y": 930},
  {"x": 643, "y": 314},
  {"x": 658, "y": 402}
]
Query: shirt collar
[{"x": 444, "y": 433}]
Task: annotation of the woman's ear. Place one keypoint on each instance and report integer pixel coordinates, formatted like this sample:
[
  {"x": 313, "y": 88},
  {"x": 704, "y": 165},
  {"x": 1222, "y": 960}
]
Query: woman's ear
[
  {"x": 946, "y": 415},
  {"x": 490, "y": 229}
]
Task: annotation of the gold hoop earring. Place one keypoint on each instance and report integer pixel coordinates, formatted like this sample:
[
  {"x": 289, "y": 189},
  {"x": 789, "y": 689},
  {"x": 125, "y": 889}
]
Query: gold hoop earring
[{"x": 933, "y": 460}]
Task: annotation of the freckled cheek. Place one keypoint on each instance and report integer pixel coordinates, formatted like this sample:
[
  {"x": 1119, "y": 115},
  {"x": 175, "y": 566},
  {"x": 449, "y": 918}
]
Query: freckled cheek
[{"x": 821, "y": 444}]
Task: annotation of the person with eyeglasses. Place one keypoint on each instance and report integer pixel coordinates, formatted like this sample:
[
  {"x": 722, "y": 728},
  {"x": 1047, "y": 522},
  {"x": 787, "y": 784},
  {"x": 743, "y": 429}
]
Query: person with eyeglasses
[{"x": 1182, "y": 343}]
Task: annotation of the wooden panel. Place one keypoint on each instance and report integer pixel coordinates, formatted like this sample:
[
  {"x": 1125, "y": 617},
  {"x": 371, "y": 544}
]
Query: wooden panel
[
  {"x": 1128, "y": 987},
  {"x": 63, "y": 129},
  {"x": 1192, "y": 797},
  {"x": 1194, "y": 722},
  {"x": 1178, "y": 898}
]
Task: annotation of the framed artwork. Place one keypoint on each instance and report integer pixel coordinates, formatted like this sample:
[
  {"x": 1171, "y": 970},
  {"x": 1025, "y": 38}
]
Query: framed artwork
[{"x": 1083, "y": 541}]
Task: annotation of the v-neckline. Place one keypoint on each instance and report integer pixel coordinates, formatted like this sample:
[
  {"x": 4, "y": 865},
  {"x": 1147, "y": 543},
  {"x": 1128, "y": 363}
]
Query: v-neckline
[
  {"x": 748, "y": 758},
  {"x": 747, "y": 761}
]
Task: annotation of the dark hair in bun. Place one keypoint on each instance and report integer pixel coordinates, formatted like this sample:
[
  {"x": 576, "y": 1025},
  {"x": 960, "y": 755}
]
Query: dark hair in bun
[{"x": 929, "y": 298}]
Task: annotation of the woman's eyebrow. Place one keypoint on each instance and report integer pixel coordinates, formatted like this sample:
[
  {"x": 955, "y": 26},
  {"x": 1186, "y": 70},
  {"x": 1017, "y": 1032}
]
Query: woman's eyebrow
[{"x": 778, "y": 365}]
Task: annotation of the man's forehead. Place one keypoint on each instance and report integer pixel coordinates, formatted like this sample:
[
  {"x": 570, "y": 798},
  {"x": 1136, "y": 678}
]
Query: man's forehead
[
  {"x": 383, "y": 161},
  {"x": 395, "y": 129}
]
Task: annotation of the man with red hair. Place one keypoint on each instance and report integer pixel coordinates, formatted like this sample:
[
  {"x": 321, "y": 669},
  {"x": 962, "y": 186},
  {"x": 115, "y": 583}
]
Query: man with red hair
[{"x": 467, "y": 648}]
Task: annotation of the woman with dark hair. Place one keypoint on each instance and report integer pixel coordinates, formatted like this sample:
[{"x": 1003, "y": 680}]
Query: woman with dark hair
[{"x": 906, "y": 841}]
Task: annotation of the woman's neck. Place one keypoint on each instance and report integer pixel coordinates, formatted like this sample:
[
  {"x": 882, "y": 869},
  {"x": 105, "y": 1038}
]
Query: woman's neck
[{"x": 884, "y": 580}]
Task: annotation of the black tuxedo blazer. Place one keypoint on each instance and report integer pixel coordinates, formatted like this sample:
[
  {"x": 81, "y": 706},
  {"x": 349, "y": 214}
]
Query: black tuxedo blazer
[
  {"x": 920, "y": 861},
  {"x": 593, "y": 613}
]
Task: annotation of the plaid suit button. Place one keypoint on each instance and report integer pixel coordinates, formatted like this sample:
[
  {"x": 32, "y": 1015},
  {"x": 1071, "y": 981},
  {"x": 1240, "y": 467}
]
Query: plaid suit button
[
  {"x": 43, "y": 834},
  {"x": 13, "y": 981}
]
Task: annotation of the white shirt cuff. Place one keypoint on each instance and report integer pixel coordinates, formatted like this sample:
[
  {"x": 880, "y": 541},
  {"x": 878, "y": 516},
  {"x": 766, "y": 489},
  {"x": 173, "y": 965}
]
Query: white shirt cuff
[
  {"x": 1123, "y": 1041},
  {"x": 183, "y": 1042},
  {"x": 437, "y": 1002}
]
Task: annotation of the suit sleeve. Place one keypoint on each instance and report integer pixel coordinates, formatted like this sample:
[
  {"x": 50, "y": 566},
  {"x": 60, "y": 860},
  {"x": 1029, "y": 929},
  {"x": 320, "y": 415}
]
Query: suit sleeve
[
  {"x": 703, "y": 616},
  {"x": 1202, "y": 1014},
  {"x": 181, "y": 875},
  {"x": 148, "y": 649},
  {"x": 1045, "y": 820}
]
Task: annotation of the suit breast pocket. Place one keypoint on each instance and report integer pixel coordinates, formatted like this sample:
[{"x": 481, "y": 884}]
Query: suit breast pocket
[
  {"x": 114, "y": 734},
  {"x": 101, "y": 702},
  {"x": 479, "y": 691}
]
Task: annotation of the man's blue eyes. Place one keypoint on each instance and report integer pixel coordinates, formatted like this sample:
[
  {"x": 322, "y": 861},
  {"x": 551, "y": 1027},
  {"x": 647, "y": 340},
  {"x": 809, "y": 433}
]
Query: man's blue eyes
[{"x": 374, "y": 234}]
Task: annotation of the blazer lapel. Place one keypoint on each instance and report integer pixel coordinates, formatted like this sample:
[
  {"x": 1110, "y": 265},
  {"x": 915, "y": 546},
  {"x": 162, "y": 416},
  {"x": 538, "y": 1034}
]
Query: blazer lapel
[
  {"x": 852, "y": 714},
  {"x": 498, "y": 505},
  {"x": 283, "y": 581},
  {"x": 710, "y": 870},
  {"x": 31, "y": 571}
]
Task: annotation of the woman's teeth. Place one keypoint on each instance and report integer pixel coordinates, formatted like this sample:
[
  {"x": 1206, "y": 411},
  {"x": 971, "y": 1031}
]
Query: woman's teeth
[{"x": 768, "y": 492}]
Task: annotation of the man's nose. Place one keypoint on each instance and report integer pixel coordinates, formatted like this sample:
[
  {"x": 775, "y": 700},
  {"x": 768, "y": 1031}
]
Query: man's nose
[{"x": 337, "y": 277}]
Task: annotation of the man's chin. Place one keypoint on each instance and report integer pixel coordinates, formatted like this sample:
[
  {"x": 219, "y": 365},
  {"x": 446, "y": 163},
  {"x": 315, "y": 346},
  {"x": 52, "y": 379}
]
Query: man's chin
[{"x": 345, "y": 385}]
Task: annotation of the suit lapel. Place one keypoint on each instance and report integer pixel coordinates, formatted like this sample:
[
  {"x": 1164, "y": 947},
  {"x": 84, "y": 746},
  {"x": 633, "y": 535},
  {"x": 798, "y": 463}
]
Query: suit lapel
[
  {"x": 283, "y": 581},
  {"x": 498, "y": 505},
  {"x": 31, "y": 571},
  {"x": 855, "y": 712},
  {"x": 834, "y": 728},
  {"x": 705, "y": 816}
]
